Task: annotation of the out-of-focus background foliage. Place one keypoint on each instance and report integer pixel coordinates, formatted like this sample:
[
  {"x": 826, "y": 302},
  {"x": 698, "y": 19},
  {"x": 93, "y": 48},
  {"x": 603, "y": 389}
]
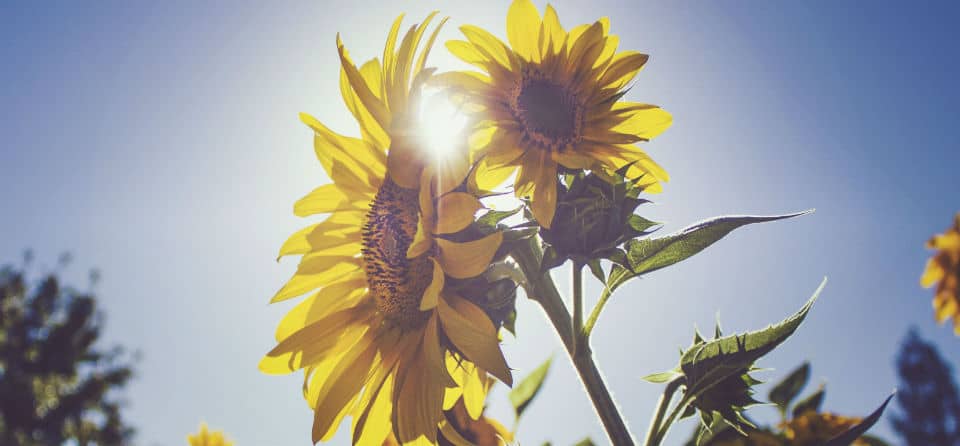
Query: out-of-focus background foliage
[{"x": 159, "y": 142}]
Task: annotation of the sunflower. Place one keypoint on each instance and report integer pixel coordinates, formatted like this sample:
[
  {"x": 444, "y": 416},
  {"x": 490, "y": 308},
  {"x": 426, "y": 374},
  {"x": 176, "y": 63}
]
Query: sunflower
[
  {"x": 816, "y": 428},
  {"x": 551, "y": 100},
  {"x": 385, "y": 337},
  {"x": 943, "y": 269},
  {"x": 208, "y": 438}
]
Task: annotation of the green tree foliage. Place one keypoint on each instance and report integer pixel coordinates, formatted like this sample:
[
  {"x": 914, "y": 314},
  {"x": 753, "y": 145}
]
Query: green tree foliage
[
  {"x": 56, "y": 386},
  {"x": 928, "y": 398}
]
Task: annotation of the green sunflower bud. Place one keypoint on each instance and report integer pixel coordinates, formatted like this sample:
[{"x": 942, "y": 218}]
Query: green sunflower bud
[{"x": 595, "y": 215}]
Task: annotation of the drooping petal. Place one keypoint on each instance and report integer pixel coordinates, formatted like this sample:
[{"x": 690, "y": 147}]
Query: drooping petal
[
  {"x": 472, "y": 332},
  {"x": 455, "y": 212},
  {"x": 469, "y": 259},
  {"x": 340, "y": 387},
  {"x": 422, "y": 241},
  {"x": 544, "y": 203},
  {"x": 432, "y": 294}
]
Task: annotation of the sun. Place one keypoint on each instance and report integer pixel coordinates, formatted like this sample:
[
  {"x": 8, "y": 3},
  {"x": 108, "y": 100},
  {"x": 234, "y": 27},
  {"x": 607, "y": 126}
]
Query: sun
[{"x": 442, "y": 125}]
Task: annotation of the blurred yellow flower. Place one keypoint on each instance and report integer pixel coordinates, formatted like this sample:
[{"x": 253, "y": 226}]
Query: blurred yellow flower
[
  {"x": 208, "y": 438},
  {"x": 384, "y": 338},
  {"x": 552, "y": 98},
  {"x": 943, "y": 269},
  {"x": 813, "y": 428}
]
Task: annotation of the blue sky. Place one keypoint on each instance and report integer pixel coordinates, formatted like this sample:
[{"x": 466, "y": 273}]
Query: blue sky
[{"x": 160, "y": 143}]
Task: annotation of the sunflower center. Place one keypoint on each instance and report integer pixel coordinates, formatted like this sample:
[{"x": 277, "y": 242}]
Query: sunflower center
[
  {"x": 396, "y": 282},
  {"x": 549, "y": 113}
]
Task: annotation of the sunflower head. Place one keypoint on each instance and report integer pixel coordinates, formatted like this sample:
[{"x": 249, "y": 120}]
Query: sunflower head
[
  {"x": 551, "y": 100},
  {"x": 943, "y": 270},
  {"x": 208, "y": 438},
  {"x": 594, "y": 216},
  {"x": 813, "y": 428},
  {"x": 386, "y": 337}
]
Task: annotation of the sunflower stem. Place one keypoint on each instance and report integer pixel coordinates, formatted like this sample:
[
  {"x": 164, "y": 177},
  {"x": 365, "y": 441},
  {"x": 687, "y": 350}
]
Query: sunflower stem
[
  {"x": 662, "y": 405},
  {"x": 662, "y": 430},
  {"x": 541, "y": 288},
  {"x": 595, "y": 313},
  {"x": 576, "y": 286}
]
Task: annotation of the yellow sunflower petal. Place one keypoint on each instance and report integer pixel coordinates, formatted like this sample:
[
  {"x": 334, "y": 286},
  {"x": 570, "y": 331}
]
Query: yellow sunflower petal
[
  {"x": 373, "y": 426},
  {"x": 623, "y": 68},
  {"x": 418, "y": 411},
  {"x": 376, "y": 108},
  {"x": 490, "y": 46},
  {"x": 552, "y": 28},
  {"x": 544, "y": 202},
  {"x": 474, "y": 393},
  {"x": 469, "y": 259},
  {"x": 369, "y": 127},
  {"x": 334, "y": 297},
  {"x": 472, "y": 332},
  {"x": 462, "y": 81},
  {"x": 432, "y": 294},
  {"x": 422, "y": 59},
  {"x": 646, "y": 124},
  {"x": 422, "y": 241},
  {"x": 340, "y": 387},
  {"x": 455, "y": 212},
  {"x": 316, "y": 339},
  {"x": 932, "y": 274},
  {"x": 523, "y": 22},
  {"x": 325, "y": 199},
  {"x": 468, "y": 53},
  {"x": 489, "y": 176},
  {"x": 318, "y": 272}
]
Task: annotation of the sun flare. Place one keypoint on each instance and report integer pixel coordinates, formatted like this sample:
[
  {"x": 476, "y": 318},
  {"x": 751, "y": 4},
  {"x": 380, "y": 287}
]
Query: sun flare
[{"x": 442, "y": 125}]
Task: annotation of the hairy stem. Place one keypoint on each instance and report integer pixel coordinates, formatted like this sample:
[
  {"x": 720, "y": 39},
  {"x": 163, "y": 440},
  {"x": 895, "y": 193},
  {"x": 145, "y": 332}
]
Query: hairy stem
[
  {"x": 576, "y": 285},
  {"x": 662, "y": 430},
  {"x": 662, "y": 405},
  {"x": 595, "y": 313},
  {"x": 540, "y": 288}
]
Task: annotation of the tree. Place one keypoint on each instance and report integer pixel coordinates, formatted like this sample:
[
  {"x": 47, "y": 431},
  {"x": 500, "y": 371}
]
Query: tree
[
  {"x": 55, "y": 384},
  {"x": 927, "y": 395}
]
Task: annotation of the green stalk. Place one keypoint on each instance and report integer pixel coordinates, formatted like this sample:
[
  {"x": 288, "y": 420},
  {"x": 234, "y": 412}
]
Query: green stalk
[
  {"x": 576, "y": 285},
  {"x": 595, "y": 314},
  {"x": 662, "y": 405},
  {"x": 540, "y": 288}
]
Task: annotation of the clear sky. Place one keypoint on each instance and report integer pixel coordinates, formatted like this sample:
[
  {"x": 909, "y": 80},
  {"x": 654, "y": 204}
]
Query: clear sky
[{"x": 159, "y": 142}]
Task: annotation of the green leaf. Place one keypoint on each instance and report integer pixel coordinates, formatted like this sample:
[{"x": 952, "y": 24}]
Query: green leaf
[
  {"x": 585, "y": 442},
  {"x": 710, "y": 362},
  {"x": 649, "y": 255},
  {"x": 522, "y": 395},
  {"x": 785, "y": 391},
  {"x": 640, "y": 224},
  {"x": 662, "y": 377},
  {"x": 492, "y": 218},
  {"x": 810, "y": 403},
  {"x": 597, "y": 270},
  {"x": 850, "y": 435}
]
